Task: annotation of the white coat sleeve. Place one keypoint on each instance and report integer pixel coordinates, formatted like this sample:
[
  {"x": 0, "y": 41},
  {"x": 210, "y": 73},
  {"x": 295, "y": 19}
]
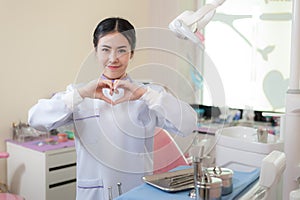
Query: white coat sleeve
[
  {"x": 173, "y": 114},
  {"x": 49, "y": 114}
]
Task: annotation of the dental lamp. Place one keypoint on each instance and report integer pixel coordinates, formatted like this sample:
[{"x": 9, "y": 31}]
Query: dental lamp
[{"x": 187, "y": 26}]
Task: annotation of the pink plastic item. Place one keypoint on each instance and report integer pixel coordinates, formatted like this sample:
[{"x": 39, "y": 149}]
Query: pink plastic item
[
  {"x": 4, "y": 155},
  {"x": 7, "y": 196},
  {"x": 200, "y": 36}
]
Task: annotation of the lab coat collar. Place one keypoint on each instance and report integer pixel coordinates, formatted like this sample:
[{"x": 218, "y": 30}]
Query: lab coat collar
[{"x": 124, "y": 78}]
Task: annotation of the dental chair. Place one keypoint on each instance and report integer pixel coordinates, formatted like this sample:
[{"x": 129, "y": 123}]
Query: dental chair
[
  {"x": 4, "y": 194},
  {"x": 271, "y": 172},
  {"x": 167, "y": 155}
]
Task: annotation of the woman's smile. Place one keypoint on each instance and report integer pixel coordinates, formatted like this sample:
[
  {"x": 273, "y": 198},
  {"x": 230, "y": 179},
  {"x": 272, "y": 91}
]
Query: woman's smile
[{"x": 112, "y": 67}]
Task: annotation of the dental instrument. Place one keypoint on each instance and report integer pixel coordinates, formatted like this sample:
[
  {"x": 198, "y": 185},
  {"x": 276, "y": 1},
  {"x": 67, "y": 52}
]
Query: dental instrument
[
  {"x": 188, "y": 23},
  {"x": 110, "y": 195},
  {"x": 197, "y": 175},
  {"x": 119, "y": 188},
  {"x": 110, "y": 192}
]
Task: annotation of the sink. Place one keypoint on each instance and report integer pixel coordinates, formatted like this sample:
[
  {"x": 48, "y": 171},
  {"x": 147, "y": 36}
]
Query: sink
[
  {"x": 239, "y": 132},
  {"x": 245, "y": 139}
]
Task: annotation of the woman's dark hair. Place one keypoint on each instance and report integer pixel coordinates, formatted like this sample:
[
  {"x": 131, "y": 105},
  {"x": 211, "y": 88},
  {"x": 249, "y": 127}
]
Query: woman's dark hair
[{"x": 115, "y": 24}]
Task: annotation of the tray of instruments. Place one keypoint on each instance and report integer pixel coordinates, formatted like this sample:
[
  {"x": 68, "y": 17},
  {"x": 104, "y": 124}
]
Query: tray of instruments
[{"x": 172, "y": 181}]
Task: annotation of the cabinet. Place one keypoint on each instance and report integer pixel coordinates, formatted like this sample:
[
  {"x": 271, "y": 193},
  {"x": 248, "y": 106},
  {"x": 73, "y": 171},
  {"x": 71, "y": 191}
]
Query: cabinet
[{"x": 39, "y": 173}]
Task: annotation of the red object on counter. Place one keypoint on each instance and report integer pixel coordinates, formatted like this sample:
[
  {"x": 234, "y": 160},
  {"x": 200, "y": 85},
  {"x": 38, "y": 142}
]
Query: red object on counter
[{"x": 62, "y": 137}]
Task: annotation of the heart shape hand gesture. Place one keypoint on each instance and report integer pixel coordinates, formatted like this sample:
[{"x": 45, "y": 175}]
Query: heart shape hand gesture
[
  {"x": 131, "y": 91},
  {"x": 94, "y": 89}
]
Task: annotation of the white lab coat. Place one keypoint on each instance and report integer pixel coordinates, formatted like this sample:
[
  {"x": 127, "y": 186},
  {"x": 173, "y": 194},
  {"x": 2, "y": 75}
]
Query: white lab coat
[{"x": 113, "y": 143}]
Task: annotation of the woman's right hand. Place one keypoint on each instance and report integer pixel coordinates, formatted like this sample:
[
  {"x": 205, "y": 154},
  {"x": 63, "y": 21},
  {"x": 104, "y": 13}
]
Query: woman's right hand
[{"x": 94, "y": 90}]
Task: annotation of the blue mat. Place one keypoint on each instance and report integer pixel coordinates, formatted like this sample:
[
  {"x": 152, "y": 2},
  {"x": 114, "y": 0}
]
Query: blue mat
[{"x": 240, "y": 180}]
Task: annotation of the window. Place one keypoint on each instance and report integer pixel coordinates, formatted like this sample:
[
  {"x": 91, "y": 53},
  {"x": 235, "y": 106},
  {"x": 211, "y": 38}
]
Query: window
[{"x": 249, "y": 44}]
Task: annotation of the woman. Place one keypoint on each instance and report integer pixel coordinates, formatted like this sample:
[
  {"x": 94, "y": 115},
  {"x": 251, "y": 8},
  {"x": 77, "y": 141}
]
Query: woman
[{"x": 114, "y": 117}]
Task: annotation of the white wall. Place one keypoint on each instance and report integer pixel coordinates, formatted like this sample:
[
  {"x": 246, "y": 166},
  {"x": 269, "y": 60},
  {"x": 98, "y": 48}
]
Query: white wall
[{"x": 43, "y": 44}]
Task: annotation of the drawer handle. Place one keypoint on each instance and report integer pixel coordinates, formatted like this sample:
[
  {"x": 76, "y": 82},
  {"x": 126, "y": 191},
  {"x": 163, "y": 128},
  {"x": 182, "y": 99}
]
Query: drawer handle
[
  {"x": 62, "y": 167},
  {"x": 62, "y": 183}
]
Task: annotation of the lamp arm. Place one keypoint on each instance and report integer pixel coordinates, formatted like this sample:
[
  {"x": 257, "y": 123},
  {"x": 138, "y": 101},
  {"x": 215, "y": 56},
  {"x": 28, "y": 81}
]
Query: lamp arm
[{"x": 204, "y": 14}]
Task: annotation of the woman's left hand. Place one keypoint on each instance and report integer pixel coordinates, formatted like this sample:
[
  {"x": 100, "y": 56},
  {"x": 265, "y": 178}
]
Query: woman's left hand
[{"x": 131, "y": 90}]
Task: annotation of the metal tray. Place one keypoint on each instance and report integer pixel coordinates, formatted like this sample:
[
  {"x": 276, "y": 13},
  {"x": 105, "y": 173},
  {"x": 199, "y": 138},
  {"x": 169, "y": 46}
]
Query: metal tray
[{"x": 172, "y": 181}]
